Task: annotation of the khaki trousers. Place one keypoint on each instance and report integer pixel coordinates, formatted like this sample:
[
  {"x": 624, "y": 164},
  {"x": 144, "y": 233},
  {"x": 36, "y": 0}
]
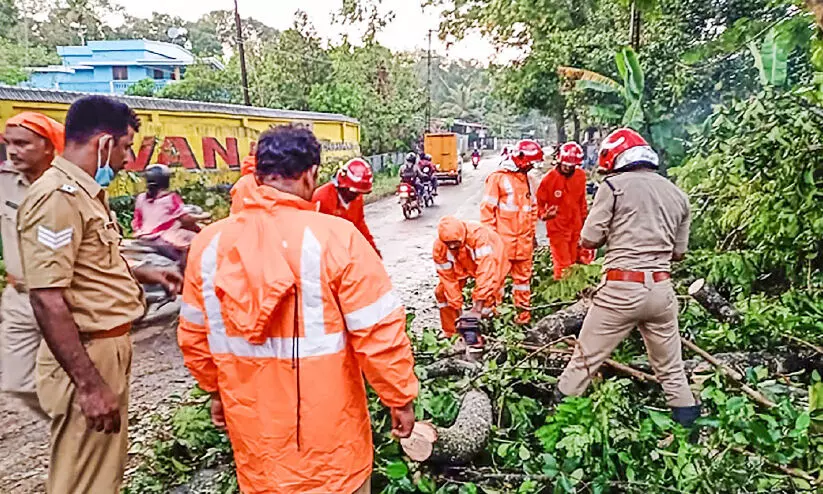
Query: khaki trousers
[
  {"x": 19, "y": 340},
  {"x": 618, "y": 308},
  {"x": 83, "y": 460}
]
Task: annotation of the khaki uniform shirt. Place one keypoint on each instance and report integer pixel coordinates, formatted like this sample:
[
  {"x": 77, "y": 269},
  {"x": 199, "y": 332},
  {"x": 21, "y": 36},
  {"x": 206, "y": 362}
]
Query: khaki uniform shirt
[
  {"x": 13, "y": 187},
  {"x": 644, "y": 220},
  {"x": 69, "y": 239}
]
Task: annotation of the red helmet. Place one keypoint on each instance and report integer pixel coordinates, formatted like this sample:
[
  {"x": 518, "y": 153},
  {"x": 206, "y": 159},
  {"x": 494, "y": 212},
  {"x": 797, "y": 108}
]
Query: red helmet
[
  {"x": 356, "y": 175},
  {"x": 625, "y": 147},
  {"x": 571, "y": 153},
  {"x": 526, "y": 152}
]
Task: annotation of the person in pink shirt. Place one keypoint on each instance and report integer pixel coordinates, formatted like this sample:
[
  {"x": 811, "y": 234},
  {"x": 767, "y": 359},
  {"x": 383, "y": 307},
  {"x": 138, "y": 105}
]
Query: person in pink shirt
[{"x": 160, "y": 217}]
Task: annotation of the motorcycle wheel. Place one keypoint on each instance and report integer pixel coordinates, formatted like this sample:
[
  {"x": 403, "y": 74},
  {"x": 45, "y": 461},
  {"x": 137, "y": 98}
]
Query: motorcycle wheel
[
  {"x": 429, "y": 201},
  {"x": 407, "y": 213}
]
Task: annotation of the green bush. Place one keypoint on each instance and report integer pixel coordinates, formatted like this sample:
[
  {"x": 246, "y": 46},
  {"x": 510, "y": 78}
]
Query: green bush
[{"x": 755, "y": 178}]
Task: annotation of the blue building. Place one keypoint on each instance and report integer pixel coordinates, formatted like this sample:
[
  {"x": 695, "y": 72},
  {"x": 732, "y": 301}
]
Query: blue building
[{"x": 113, "y": 66}]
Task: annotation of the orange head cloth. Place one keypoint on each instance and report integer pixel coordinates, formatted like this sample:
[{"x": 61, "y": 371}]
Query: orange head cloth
[
  {"x": 450, "y": 229},
  {"x": 43, "y": 126}
]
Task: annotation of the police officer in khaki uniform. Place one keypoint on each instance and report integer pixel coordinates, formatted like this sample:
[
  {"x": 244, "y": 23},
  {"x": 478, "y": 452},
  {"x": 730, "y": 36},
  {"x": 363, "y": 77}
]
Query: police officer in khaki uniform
[
  {"x": 85, "y": 299},
  {"x": 644, "y": 219},
  {"x": 32, "y": 142}
]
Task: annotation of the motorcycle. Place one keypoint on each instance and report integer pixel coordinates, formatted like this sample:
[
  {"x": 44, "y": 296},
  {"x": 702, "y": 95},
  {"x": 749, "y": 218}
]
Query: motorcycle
[
  {"x": 475, "y": 161},
  {"x": 409, "y": 200},
  {"x": 161, "y": 307},
  {"x": 428, "y": 194}
]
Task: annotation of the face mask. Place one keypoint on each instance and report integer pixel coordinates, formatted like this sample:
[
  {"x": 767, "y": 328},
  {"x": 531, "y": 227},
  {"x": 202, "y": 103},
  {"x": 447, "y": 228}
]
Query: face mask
[{"x": 105, "y": 173}]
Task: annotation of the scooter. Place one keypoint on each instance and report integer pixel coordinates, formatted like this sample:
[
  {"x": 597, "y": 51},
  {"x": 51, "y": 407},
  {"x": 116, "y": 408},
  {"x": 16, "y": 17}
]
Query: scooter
[
  {"x": 409, "y": 200},
  {"x": 161, "y": 307},
  {"x": 475, "y": 161}
]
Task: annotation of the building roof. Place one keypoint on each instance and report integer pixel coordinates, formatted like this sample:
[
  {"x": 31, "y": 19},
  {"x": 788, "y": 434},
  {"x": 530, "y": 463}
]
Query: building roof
[
  {"x": 470, "y": 124},
  {"x": 139, "y": 103}
]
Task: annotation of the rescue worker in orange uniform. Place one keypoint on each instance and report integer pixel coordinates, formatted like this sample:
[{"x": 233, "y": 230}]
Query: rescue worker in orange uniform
[
  {"x": 343, "y": 196},
  {"x": 509, "y": 207},
  {"x": 247, "y": 181},
  {"x": 466, "y": 250},
  {"x": 644, "y": 219},
  {"x": 33, "y": 140},
  {"x": 561, "y": 201},
  {"x": 285, "y": 309}
]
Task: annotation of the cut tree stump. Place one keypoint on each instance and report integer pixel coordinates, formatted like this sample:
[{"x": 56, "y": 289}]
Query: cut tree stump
[
  {"x": 713, "y": 302},
  {"x": 458, "y": 444},
  {"x": 565, "y": 322}
]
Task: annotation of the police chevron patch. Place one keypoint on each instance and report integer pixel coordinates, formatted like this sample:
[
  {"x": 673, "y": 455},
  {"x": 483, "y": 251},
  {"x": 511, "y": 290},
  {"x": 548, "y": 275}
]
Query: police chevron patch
[{"x": 54, "y": 240}]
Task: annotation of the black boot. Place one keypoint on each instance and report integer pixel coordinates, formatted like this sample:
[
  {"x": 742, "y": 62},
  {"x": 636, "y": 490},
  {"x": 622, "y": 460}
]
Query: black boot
[
  {"x": 557, "y": 397},
  {"x": 686, "y": 416}
]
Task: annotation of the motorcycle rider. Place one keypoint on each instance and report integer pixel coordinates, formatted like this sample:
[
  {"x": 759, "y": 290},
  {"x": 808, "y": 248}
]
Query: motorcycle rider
[
  {"x": 410, "y": 174},
  {"x": 343, "y": 195},
  {"x": 160, "y": 218},
  {"x": 509, "y": 207},
  {"x": 476, "y": 155},
  {"x": 427, "y": 171}
]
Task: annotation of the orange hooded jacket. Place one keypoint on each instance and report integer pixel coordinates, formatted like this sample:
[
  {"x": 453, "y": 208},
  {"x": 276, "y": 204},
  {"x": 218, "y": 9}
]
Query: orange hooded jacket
[
  {"x": 569, "y": 195},
  {"x": 481, "y": 257},
  {"x": 328, "y": 202},
  {"x": 246, "y": 185},
  {"x": 510, "y": 209},
  {"x": 284, "y": 323}
]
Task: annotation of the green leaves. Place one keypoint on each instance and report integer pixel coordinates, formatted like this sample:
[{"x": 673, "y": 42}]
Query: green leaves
[{"x": 396, "y": 470}]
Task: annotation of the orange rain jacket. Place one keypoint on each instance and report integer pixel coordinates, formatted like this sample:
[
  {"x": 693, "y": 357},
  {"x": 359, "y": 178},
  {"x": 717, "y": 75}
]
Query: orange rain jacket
[
  {"x": 247, "y": 183},
  {"x": 569, "y": 195},
  {"x": 509, "y": 208},
  {"x": 481, "y": 257},
  {"x": 328, "y": 202},
  {"x": 284, "y": 323}
]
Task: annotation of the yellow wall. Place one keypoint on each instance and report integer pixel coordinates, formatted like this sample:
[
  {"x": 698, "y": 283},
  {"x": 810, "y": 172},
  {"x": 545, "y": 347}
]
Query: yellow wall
[{"x": 178, "y": 138}]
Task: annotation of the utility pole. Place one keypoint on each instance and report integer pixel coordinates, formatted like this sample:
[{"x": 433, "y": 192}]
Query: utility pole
[
  {"x": 244, "y": 79},
  {"x": 634, "y": 26},
  {"x": 429, "y": 87}
]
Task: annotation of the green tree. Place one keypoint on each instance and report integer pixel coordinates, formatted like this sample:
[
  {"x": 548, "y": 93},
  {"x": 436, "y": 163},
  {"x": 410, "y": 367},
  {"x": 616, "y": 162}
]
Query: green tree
[
  {"x": 204, "y": 83},
  {"x": 282, "y": 72},
  {"x": 144, "y": 87}
]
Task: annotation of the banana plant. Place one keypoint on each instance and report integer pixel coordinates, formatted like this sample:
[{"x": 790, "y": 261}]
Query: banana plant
[
  {"x": 771, "y": 57},
  {"x": 631, "y": 91}
]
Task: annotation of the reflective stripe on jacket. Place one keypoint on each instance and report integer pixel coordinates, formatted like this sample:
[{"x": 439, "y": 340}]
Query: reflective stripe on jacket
[
  {"x": 481, "y": 258},
  {"x": 284, "y": 311},
  {"x": 510, "y": 209}
]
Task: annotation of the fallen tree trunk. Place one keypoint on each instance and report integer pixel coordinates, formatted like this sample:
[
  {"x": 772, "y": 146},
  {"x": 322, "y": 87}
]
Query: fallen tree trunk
[
  {"x": 566, "y": 322},
  {"x": 450, "y": 367},
  {"x": 458, "y": 444},
  {"x": 731, "y": 374},
  {"x": 713, "y": 302}
]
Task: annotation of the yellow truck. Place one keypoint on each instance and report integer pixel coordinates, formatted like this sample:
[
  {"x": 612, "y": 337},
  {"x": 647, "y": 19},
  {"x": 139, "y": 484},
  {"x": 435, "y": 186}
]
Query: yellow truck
[
  {"x": 198, "y": 140},
  {"x": 443, "y": 149}
]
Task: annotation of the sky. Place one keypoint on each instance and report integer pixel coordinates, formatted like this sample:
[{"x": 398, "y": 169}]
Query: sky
[{"x": 407, "y": 32}]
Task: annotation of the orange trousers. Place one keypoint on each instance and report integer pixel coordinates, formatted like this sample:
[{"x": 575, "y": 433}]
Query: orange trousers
[
  {"x": 521, "y": 274},
  {"x": 564, "y": 252},
  {"x": 448, "y": 314}
]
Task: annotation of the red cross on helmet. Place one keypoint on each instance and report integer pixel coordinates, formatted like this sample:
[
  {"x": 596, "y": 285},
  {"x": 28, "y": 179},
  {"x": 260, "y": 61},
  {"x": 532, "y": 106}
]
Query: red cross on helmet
[
  {"x": 571, "y": 153},
  {"x": 625, "y": 147},
  {"x": 356, "y": 175},
  {"x": 526, "y": 153}
]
